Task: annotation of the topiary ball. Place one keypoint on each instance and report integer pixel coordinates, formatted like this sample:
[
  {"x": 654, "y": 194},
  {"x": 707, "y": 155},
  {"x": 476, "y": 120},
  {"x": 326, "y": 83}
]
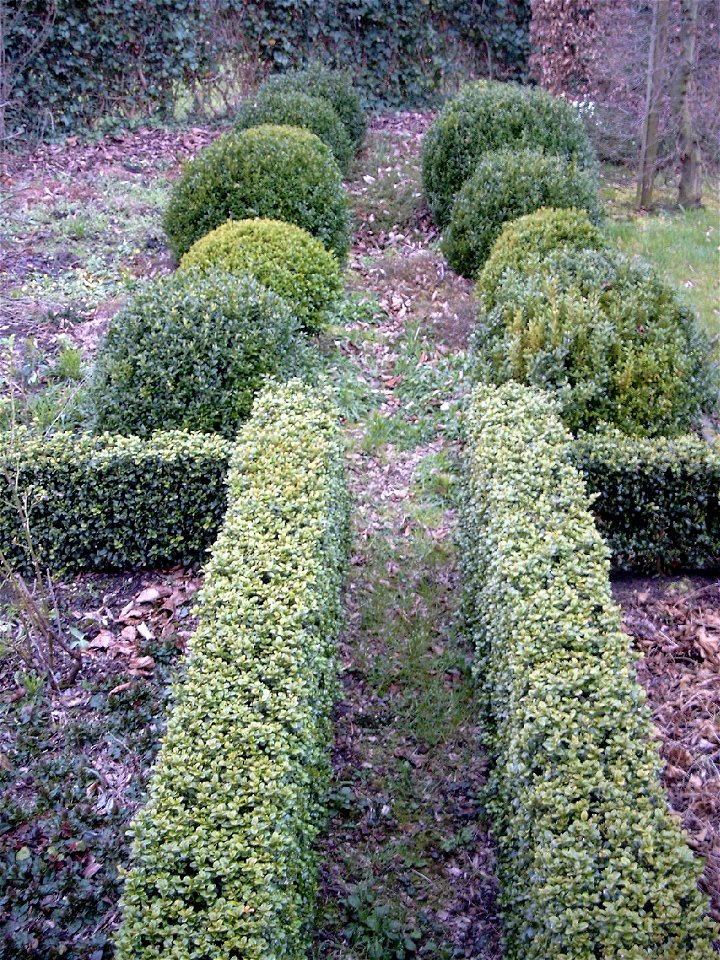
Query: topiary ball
[
  {"x": 296, "y": 109},
  {"x": 190, "y": 352},
  {"x": 283, "y": 173},
  {"x": 279, "y": 255},
  {"x": 504, "y": 186},
  {"x": 488, "y": 116},
  {"x": 532, "y": 238},
  {"x": 610, "y": 338},
  {"x": 335, "y": 86}
]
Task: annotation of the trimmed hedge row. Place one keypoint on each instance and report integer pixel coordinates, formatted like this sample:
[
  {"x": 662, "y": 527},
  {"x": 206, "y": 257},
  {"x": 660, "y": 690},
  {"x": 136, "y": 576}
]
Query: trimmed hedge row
[
  {"x": 223, "y": 860},
  {"x": 656, "y": 502},
  {"x": 591, "y": 863},
  {"x": 109, "y": 502}
]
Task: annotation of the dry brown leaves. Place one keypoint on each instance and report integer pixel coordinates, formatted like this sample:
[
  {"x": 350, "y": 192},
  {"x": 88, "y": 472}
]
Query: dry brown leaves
[{"x": 679, "y": 635}]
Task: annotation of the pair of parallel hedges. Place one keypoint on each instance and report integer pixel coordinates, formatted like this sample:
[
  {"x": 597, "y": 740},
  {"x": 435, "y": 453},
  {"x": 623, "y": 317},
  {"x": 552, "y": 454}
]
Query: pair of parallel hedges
[
  {"x": 223, "y": 860},
  {"x": 655, "y": 501},
  {"x": 591, "y": 863},
  {"x": 108, "y": 502}
]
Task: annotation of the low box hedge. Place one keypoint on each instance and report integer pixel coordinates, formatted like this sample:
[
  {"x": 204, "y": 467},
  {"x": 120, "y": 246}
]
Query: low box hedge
[
  {"x": 223, "y": 860},
  {"x": 591, "y": 863},
  {"x": 107, "y": 502},
  {"x": 655, "y": 501}
]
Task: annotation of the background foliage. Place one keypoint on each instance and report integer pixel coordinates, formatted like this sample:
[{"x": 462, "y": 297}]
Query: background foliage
[{"x": 108, "y": 57}]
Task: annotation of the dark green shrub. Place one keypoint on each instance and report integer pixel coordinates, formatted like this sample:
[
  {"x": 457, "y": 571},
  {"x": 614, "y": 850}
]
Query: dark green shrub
[
  {"x": 110, "y": 502},
  {"x": 489, "y": 116},
  {"x": 504, "y": 186},
  {"x": 190, "y": 352},
  {"x": 656, "y": 502},
  {"x": 335, "y": 86},
  {"x": 224, "y": 854},
  {"x": 292, "y": 108},
  {"x": 282, "y": 173},
  {"x": 279, "y": 255},
  {"x": 532, "y": 238},
  {"x": 590, "y": 861},
  {"x": 610, "y": 338}
]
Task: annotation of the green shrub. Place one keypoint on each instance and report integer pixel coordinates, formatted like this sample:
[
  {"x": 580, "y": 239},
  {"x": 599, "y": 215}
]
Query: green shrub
[
  {"x": 292, "y": 108},
  {"x": 279, "y": 255},
  {"x": 506, "y": 185},
  {"x": 190, "y": 352},
  {"x": 591, "y": 863},
  {"x": 335, "y": 86},
  {"x": 532, "y": 238},
  {"x": 223, "y": 859},
  {"x": 489, "y": 116},
  {"x": 110, "y": 502},
  {"x": 282, "y": 173},
  {"x": 656, "y": 502},
  {"x": 610, "y": 338}
]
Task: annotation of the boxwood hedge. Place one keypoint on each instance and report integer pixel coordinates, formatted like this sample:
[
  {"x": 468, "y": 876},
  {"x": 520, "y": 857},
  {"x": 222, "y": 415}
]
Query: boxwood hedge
[
  {"x": 283, "y": 173},
  {"x": 222, "y": 860},
  {"x": 109, "y": 502},
  {"x": 279, "y": 255},
  {"x": 189, "y": 351},
  {"x": 505, "y": 185},
  {"x": 335, "y": 86},
  {"x": 656, "y": 502},
  {"x": 296, "y": 109},
  {"x": 530, "y": 239},
  {"x": 590, "y": 861},
  {"x": 488, "y": 116}
]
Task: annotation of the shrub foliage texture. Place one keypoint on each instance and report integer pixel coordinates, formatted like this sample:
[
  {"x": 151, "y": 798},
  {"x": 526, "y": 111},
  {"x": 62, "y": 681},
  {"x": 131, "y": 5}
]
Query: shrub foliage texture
[
  {"x": 591, "y": 863},
  {"x": 223, "y": 858}
]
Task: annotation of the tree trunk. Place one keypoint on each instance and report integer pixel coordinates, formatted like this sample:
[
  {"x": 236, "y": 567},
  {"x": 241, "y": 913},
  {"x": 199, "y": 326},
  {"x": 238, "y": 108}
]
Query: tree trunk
[
  {"x": 653, "y": 98},
  {"x": 690, "y": 189}
]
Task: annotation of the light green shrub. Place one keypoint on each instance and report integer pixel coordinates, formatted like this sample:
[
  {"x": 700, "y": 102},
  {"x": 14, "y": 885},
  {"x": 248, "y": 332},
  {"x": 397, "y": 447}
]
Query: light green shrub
[
  {"x": 610, "y": 338},
  {"x": 110, "y": 502},
  {"x": 656, "y": 502},
  {"x": 279, "y": 255},
  {"x": 504, "y": 186},
  {"x": 190, "y": 352},
  {"x": 223, "y": 858},
  {"x": 335, "y": 86},
  {"x": 487, "y": 116},
  {"x": 591, "y": 864},
  {"x": 282, "y": 173},
  {"x": 292, "y": 108},
  {"x": 530, "y": 239}
]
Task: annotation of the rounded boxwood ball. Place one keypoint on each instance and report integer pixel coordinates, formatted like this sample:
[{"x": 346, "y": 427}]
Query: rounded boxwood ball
[
  {"x": 296, "y": 109},
  {"x": 190, "y": 352},
  {"x": 533, "y": 237},
  {"x": 283, "y": 173},
  {"x": 504, "y": 186},
  {"x": 610, "y": 338},
  {"x": 281, "y": 256},
  {"x": 335, "y": 86},
  {"x": 486, "y": 116}
]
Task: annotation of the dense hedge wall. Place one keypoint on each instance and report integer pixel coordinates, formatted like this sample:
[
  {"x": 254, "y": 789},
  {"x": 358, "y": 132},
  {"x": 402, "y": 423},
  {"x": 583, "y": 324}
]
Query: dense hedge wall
[
  {"x": 656, "y": 502},
  {"x": 107, "y": 502},
  {"x": 223, "y": 859},
  {"x": 590, "y": 861},
  {"x": 108, "y": 57}
]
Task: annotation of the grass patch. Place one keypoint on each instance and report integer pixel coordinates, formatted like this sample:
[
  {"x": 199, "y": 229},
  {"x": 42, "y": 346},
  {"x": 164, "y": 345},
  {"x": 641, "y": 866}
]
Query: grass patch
[{"x": 684, "y": 245}]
